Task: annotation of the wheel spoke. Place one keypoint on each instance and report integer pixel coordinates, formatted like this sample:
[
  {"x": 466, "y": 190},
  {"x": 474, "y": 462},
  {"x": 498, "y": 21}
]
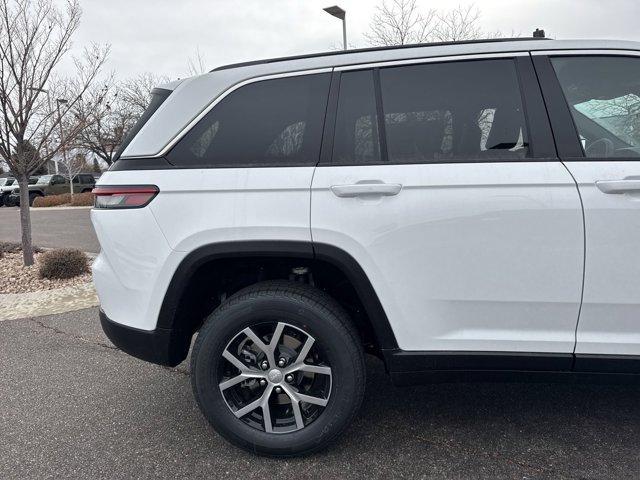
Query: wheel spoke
[
  {"x": 239, "y": 378},
  {"x": 276, "y": 336},
  {"x": 313, "y": 369},
  {"x": 230, "y": 383},
  {"x": 297, "y": 414},
  {"x": 235, "y": 361},
  {"x": 266, "y": 412},
  {"x": 266, "y": 349},
  {"x": 295, "y": 405},
  {"x": 248, "y": 408},
  {"x": 309, "y": 399},
  {"x": 305, "y": 350}
]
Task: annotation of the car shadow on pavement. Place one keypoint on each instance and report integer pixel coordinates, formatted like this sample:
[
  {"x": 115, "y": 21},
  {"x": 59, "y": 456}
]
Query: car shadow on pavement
[{"x": 540, "y": 429}]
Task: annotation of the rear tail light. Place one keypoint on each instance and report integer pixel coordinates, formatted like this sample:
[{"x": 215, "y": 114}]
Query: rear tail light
[{"x": 121, "y": 196}]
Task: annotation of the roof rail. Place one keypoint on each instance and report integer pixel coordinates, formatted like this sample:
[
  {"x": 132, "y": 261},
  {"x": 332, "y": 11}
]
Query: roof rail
[{"x": 374, "y": 49}]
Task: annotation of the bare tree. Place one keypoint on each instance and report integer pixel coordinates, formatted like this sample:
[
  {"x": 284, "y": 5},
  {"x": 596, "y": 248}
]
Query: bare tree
[
  {"x": 72, "y": 163},
  {"x": 109, "y": 110},
  {"x": 458, "y": 24},
  {"x": 401, "y": 22},
  {"x": 34, "y": 37},
  {"x": 107, "y": 119},
  {"x": 135, "y": 92},
  {"x": 196, "y": 65}
]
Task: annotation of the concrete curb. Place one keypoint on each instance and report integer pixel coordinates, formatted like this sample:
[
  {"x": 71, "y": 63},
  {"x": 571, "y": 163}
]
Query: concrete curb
[
  {"x": 44, "y": 209},
  {"x": 47, "y": 302}
]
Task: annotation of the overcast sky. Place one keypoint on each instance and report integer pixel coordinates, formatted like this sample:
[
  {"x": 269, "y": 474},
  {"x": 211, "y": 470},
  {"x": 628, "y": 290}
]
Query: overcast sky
[{"x": 160, "y": 35}]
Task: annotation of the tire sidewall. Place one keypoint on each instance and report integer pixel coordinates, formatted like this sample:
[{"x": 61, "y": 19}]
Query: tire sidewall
[{"x": 336, "y": 344}]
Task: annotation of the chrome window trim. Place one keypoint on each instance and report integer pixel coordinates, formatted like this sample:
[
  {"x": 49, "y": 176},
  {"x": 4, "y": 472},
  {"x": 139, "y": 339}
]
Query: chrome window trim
[
  {"x": 555, "y": 53},
  {"x": 447, "y": 58}
]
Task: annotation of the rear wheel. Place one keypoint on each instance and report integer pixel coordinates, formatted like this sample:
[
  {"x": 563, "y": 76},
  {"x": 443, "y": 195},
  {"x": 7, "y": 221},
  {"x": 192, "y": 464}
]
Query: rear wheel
[{"x": 278, "y": 369}]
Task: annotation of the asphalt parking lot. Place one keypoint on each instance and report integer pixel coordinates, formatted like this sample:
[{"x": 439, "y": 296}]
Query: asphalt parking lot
[
  {"x": 72, "y": 406},
  {"x": 52, "y": 227}
]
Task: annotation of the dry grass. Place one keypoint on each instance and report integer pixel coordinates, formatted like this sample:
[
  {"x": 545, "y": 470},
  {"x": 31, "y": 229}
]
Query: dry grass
[
  {"x": 83, "y": 199},
  {"x": 78, "y": 200},
  {"x": 52, "y": 200}
]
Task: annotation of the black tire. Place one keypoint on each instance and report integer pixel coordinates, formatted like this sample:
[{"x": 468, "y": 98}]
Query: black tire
[
  {"x": 32, "y": 197},
  {"x": 303, "y": 307}
]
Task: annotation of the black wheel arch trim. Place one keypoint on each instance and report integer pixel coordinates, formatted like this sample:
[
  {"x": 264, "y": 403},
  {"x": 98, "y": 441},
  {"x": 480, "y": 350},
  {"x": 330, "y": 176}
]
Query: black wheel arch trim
[{"x": 276, "y": 248}]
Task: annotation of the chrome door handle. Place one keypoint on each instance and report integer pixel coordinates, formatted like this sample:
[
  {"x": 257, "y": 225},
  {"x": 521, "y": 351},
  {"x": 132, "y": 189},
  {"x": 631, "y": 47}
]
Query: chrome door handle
[
  {"x": 618, "y": 186},
  {"x": 366, "y": 189}
]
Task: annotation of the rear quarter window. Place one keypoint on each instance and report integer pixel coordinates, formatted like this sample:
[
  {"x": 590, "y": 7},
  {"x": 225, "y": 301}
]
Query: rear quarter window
[
  {"x": 275, "y": 122},
  {"x": 158, "y": 96}
]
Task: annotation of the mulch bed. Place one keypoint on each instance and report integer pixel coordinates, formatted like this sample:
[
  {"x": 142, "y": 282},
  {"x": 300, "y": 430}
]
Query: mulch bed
[{"x": 16, "y": 278}]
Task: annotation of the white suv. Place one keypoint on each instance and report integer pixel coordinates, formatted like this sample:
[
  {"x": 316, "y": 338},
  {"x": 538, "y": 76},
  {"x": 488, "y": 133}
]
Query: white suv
[{"x": 455, "y": 209}]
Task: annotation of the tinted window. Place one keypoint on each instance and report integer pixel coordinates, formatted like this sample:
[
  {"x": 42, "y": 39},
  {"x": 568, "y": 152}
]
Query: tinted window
[
  {"x": 457, "y": 111},
  {"x": 604, "y": 98},
  {"x": 356, "y": 135},
  {"x": 272, "y": 122}
]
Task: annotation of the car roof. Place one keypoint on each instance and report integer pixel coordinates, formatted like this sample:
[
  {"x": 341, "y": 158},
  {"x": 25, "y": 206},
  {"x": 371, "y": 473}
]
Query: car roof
[
  {"x": 192, "y": 96},
  {"x": 426, "y": 50},
  {"x": 373, "y": 49}
]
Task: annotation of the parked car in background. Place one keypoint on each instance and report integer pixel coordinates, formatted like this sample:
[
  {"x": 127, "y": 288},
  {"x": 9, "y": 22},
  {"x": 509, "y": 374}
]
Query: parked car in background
[
  {"x": 8, "y": 197},
  {"x": 54, "y": 185},
  {"x": 6, "y": 185}
]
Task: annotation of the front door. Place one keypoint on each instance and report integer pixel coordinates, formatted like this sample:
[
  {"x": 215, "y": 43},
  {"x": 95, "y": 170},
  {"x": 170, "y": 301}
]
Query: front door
[{"x": 450, "y": 197}]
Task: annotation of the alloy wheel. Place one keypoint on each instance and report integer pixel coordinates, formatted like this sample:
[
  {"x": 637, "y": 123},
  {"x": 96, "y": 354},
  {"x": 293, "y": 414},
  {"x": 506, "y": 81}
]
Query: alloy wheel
[{"x": 275, "y": 377}]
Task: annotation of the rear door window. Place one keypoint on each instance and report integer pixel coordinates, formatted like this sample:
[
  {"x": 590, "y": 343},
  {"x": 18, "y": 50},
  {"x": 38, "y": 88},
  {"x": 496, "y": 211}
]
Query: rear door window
[
  {"x": 454, "y": 112},
  {"x": 275, "y": 122}
]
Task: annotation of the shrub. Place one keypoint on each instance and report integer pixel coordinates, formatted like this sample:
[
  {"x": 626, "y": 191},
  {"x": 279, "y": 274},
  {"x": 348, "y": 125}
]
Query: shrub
[
  {"x": 63, "y": 263},
  {"x": 83, "y": 199},
  {"x": 15, "y": 247},
  {"x": 52, "y": 200}
]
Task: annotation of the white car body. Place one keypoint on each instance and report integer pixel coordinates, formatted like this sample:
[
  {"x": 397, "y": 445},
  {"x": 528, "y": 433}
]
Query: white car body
[{"x": 522, "y": 259}]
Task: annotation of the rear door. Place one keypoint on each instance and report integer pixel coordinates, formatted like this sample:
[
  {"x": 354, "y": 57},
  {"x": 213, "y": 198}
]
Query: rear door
[
  {"x": 451, "y": 198},
  {"x": 597, "y": 119}
]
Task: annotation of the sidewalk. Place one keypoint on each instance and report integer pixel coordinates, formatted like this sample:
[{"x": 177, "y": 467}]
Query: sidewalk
[{"x": 47, "y": 302}]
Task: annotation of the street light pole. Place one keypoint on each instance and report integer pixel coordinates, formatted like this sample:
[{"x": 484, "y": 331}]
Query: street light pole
[
  {"x": 46, "y": 145},
  {"x": 340, "y": 13}
]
